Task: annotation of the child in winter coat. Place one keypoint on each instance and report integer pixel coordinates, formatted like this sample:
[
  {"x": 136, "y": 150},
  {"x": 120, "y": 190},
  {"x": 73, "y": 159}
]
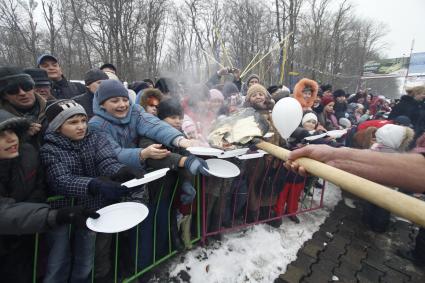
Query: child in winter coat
[
  {"x": 264, "y": 174},
  {"x": 81, "y": 166},
  {"x": 171, "y": 111},
  {"x": 22, "y": 196},
  {"x": 392, "y": 139},
  {"x": 123, "y": 123}
]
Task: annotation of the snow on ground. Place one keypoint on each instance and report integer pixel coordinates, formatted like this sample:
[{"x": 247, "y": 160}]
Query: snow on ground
[{"x": 257, "y": 254}]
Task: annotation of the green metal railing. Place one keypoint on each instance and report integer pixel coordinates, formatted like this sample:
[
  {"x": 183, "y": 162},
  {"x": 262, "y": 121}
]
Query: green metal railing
[{"x": 156, "y": 261}]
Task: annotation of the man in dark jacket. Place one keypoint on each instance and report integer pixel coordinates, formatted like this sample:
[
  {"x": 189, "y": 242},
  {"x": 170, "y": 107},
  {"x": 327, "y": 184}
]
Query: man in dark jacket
[
  {"x": 93, "y": 78},
  {"x": 43, "y": 85},
  {"x": 61, "y": 87},
  {"x": 17, "y": 97},
  {"x": 412, "y": 105},
  {"x": 22, "y": 195}
]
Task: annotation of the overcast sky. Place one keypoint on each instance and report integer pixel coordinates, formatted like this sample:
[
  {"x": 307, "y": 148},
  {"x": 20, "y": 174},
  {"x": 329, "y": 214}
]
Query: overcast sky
[{"x": 405, "y": 20}]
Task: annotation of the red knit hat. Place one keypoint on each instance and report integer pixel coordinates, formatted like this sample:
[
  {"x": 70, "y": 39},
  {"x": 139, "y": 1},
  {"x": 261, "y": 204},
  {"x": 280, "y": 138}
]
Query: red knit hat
[{"x": 326, "y": 100}]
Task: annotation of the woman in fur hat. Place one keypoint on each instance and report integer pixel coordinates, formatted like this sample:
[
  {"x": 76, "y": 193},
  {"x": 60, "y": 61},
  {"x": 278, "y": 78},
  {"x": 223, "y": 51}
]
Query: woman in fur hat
[
  {"x": 305, "y": 92},
  {"x": 150, "y": 100}
]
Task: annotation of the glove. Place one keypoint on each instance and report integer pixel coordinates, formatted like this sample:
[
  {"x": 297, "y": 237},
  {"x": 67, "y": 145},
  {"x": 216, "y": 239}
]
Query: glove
[
  {"x": 196, "y": 165},
  {"x": 108, "y": 189},
  {"x": 126, "y": 174},
  {"x": 76, "y": 215},
  {"x": 188, "y": 193}
]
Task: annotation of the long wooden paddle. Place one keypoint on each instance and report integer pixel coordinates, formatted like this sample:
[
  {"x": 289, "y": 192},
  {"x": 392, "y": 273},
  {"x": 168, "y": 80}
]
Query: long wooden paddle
[{"x": 393, "y": 201}]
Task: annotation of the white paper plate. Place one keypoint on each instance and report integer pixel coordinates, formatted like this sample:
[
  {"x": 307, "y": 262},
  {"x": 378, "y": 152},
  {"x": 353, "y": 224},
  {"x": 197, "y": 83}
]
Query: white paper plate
[
  {"x": 149, "y": 177},
  {"x": 118, "y": 217},
  {"x": 258, "y": 154},
  {"x": 222, "y": 168},
  {"x": 233, "y": 153},
  {"x": 204, "y": 151},
  {"x": 268, "y": 135},
  {"x": 315, "y": 137},
  {"x": 336, "y": 134}
]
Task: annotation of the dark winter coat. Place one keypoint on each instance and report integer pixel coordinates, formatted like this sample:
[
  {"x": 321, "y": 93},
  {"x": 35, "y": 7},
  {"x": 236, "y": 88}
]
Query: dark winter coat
[
  {"x": 86, "y": 100},
  {"x": 413, "y": 109},
  {"x": 36, "y": 115},
  {"x": 70, "y": 167},
  {"x": 22, "y": 197},
  {"x": 64, "y": 89},
  {"x": 340, "y": 109}
]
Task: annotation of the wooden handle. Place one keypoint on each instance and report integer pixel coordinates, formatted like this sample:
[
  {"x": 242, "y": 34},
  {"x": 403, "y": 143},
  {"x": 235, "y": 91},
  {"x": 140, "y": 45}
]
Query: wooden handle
[{"x": 393, "y": 201}]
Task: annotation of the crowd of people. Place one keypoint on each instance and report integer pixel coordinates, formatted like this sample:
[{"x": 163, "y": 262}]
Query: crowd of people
[{"x": 81, "y": 142}]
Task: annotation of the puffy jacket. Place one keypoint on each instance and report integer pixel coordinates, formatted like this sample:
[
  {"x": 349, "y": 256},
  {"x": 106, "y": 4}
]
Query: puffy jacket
[
  {"x": 124, "y": 133},
  {"x": 70, "y": 166},
  {"x": 22, "y": 197}
]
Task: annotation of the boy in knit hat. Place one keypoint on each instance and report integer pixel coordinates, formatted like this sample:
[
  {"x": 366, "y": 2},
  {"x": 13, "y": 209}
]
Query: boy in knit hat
[
  {"x": 171, "y": 112},
  {"x": 22, "y": 201},
  {"x": 92, "y": 80},
  {"x": 82, "y": 167}
]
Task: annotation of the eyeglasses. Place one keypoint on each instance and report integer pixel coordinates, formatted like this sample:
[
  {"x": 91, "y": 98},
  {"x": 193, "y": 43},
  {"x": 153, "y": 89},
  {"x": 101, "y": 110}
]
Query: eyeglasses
[{"x": 13, "y": 88}]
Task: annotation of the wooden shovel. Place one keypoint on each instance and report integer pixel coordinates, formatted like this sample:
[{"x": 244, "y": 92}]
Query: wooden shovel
[{"x": 400, "y": 204}]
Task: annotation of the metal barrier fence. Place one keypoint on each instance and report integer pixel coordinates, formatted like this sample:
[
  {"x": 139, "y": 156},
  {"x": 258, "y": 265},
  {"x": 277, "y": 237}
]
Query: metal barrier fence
[{"x": 263, "y": 192}]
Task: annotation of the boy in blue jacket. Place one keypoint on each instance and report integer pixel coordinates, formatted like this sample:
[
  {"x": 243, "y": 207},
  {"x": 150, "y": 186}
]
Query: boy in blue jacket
[{"x": 82, "y": 167}]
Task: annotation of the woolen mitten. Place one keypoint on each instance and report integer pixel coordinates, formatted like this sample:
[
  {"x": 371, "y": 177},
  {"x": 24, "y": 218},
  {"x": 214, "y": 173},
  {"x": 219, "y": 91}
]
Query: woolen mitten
[{"x": 196, "y": 165}]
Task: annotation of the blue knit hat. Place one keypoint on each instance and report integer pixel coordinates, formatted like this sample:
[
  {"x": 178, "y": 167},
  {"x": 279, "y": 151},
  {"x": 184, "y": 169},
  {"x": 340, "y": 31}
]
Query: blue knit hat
[{"x": 110, "y": 88}]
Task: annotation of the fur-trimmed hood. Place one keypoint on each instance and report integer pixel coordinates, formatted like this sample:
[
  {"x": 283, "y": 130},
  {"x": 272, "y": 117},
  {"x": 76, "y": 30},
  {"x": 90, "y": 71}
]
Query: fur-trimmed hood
[{"x": 298, "y": 92}]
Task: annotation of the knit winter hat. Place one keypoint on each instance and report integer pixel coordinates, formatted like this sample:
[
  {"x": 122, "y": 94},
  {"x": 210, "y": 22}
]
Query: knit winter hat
[
  {"x": 9, "y": 121},
  {"x": 110, "y": 88},
  {"x": 95, "y": 75},
  {"x": 256, "y": 88},
  {"x": 12, "y": 76},
  {"x": 229, "y": 88},
  {"x": 391, "y": 135},
  {"x": 252, "y": 76},
  {"x": 60, "y": 111},
  {"x": 215, "y": 94},
  {"x": 309, "y": 116},
  {"x": 170, "y": 107},
  {"x": 326, "y": 100}
]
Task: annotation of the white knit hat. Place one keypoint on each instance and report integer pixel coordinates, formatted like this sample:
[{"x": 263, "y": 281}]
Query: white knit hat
[{"x": 309, "y": 116}]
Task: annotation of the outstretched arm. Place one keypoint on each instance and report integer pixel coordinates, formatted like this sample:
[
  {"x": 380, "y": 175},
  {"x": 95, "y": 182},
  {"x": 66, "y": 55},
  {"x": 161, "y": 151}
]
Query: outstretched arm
[{"x": 405, "y": 170}]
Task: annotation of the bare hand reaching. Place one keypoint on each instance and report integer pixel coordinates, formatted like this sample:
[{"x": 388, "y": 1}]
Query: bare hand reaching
[{"x": 154, "y": 151}]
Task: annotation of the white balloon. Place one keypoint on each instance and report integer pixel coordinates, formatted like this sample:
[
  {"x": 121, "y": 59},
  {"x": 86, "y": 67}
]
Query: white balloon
[{"x": 287, "y": 115}]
